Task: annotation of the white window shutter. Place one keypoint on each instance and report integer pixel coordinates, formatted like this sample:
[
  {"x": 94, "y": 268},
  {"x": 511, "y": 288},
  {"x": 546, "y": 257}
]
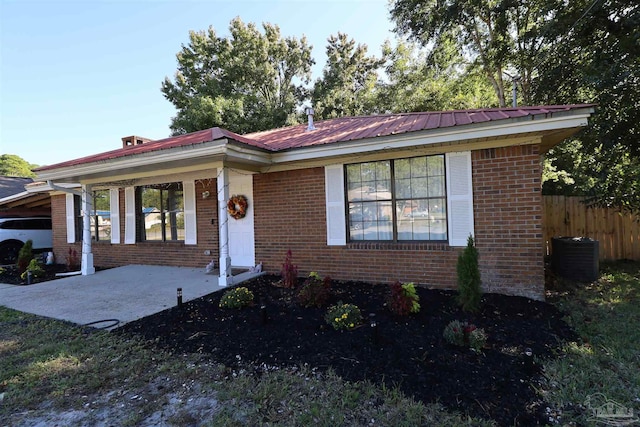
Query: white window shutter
[
  {"x": 459, "y": 197},
  {"x": 190, "y": 224},
  {"x": 129, "y": 215},
  {"x": 114, "y": 214},
  {"x": 334, "y": 188},
  {"x": 71, "y": 218}
]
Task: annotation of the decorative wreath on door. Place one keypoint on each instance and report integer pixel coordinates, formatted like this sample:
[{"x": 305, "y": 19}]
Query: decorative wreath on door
[{"x": 237, "y": 206}]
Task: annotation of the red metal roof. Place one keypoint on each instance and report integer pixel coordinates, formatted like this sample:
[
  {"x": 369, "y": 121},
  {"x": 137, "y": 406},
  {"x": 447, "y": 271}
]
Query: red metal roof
[
  {"x": 193, "y": 138},
  {"x": 330, "y": 131},
  {"x": 353, "y": 128}
]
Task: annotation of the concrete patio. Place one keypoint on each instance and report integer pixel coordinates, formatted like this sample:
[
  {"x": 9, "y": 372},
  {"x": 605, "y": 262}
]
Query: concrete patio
[{"x": 124, "y": 293}]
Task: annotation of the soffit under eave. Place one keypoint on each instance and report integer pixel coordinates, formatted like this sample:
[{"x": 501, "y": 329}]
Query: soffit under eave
[
  {"x": 31, "y": 201},
  {"x": 550, "y": 140}
]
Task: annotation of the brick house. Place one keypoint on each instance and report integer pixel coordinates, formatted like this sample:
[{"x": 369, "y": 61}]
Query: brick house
[{"x": 376, "y": 198}]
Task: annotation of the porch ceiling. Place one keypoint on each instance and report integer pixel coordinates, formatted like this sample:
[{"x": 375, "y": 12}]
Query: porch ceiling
[{"x": 27, "y": 201}]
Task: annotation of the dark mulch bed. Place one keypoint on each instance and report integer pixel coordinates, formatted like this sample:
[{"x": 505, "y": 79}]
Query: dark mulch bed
[
  {"x": 10, "y": 274},
  {"x": 408, "y": 352}
]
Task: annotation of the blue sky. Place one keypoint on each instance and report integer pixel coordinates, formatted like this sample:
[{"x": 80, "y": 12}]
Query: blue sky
[{"x": 76, "y": 76}]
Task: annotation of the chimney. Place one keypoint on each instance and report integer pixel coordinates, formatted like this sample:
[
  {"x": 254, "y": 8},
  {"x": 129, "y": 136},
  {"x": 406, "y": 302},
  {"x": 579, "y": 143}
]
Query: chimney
[
  {"x": 309, "y": 112},
  {"x": 514, "y": 94},
  {"x": 133, "y": 140}
]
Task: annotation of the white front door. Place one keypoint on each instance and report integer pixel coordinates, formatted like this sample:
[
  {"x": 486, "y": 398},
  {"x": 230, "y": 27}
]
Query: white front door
[{"x": 241, "y": 233}]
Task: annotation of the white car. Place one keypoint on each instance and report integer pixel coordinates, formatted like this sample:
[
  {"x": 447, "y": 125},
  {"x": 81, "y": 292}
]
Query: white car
[{"x": 15, "y": 231}]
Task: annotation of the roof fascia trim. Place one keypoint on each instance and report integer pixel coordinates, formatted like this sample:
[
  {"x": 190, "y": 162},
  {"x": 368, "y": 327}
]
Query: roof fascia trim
[{"x": 221, "y": 147}]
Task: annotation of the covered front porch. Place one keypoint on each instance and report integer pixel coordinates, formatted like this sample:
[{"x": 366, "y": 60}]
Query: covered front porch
[{"x": 206, "y": 227}]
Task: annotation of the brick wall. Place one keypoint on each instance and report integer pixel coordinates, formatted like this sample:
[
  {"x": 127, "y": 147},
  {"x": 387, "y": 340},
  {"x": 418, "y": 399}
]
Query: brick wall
[
  {"x": 508, "y": 219},
  {"x": 290, "y": 214},
  {"x": 289, "y": 209}
]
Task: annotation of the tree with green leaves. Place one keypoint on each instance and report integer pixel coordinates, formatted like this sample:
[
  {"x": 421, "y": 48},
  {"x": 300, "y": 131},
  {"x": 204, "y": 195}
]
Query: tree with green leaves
[
  {"x": 417, "y": 81},
  {"x": 12, "y": 165},
  {"x": 501, "y": 37},
  {"x": 248, "y": 81},
  {"x": 347, "y": 85},
  {"x": 583, "y": 51},
  {"x": 594, "y": 56}
]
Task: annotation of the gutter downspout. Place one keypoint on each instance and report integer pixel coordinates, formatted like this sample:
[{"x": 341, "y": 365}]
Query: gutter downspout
[
  {"x": 86, "y": 267},
  {"x": 63, "y": 189}
]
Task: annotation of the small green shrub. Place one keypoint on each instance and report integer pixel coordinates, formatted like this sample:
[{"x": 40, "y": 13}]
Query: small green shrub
[
  {"x": 477, "y": 339},
  {"x": 25, "y": 256},
  {"x": 343, "y": 316},
  {"x": 236, "y": 298},
  {"x": 469, "y": 291},
  {"x": 403, "y": 299},
  {"x": 464, "y": 334},
  {"x": 315, "y": 292},
  {"x": 35, "y": 269}
]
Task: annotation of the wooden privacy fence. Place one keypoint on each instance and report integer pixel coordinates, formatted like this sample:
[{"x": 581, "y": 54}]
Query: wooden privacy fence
[{"x": 618, "y": 234}]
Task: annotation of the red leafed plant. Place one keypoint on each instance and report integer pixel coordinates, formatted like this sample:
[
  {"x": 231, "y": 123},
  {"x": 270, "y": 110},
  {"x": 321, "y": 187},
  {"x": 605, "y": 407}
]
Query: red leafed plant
[
  {"x": 465, "y": 334},
  {"x": 289, "y": 272},
  {"x": 72, "y": 260},
  {"x": 403, "y": 299}
]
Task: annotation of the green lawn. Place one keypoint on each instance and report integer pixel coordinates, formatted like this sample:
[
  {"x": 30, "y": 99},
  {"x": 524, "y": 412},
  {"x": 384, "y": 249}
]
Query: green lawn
[
  {"x": 605, "y": 362},
  {"x": 54, "y": 372}
]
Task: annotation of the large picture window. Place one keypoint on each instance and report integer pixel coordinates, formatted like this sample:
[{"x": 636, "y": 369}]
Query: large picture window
[
  {"x": 160, "y": 216},
  {"x": 397, "y": 200}
]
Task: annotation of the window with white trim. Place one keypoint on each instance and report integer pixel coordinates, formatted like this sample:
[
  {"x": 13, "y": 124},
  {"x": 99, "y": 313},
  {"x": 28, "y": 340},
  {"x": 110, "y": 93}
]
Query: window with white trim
[
  {"x": 78, "y": 220},
  {"x": 101, "y": 216},
  {"x": 397, "y": 200},
  {"x": 160, "y": 213}
]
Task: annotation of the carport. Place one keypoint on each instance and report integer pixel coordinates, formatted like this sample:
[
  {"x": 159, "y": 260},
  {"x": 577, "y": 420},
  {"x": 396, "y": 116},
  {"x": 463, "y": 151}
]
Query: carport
[{"x": 124, "y": 293}]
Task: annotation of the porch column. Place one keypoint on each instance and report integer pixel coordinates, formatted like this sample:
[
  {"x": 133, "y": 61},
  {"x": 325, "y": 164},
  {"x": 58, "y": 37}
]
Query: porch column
[
  {"x": 87, "y": 208},
  {"x": 223, "y": 227}
]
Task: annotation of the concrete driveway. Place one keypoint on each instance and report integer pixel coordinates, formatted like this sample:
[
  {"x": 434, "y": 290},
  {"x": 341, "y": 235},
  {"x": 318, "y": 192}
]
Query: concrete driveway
[{"x": 124, "y": 293}]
